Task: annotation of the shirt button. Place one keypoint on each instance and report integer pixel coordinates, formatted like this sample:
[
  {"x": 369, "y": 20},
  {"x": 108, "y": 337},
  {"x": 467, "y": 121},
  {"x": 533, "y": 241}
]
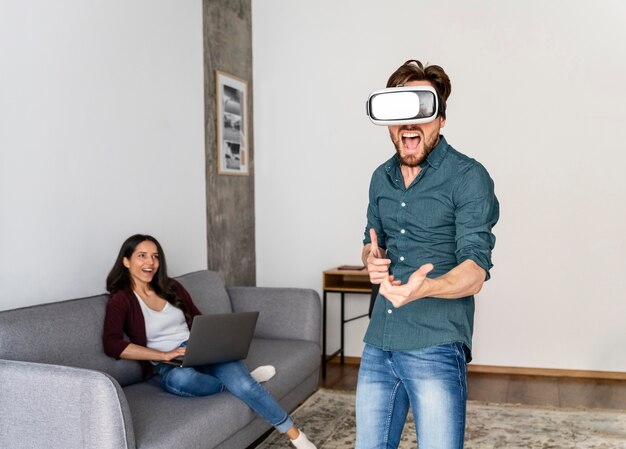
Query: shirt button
[
  {"x": 389, "y": 311},
  {"x": 403, "y": 204},
  {"x": 401, "y": 258},
  {"x": 402, "y": 231}
]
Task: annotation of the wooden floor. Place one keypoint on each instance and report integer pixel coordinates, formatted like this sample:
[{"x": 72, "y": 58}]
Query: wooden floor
[{"x": 515, "y": 389}]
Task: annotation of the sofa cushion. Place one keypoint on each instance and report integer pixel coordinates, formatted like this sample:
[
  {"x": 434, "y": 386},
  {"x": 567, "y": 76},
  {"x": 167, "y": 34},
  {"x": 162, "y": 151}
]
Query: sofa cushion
[
  {"x": 294, "y": 361},
  {"x": 183, "y": 422},
  {"x": 207, "y": 291},
  {"x": 64, "y": 333},
  {"x": 207, "y": 421}
]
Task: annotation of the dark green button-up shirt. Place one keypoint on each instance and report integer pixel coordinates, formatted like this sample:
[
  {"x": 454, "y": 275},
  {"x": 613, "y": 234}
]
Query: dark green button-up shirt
[{"x": 445, "y": 217}]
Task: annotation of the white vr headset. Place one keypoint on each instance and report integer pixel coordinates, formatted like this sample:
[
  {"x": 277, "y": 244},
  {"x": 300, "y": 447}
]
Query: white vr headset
[{"x": 403, "y": 105}]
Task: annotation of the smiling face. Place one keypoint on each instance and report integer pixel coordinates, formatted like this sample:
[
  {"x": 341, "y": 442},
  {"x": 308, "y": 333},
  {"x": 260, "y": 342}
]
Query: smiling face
[
  {"x": 414, "y": 142},
  {"x": 143, "y": 264}
]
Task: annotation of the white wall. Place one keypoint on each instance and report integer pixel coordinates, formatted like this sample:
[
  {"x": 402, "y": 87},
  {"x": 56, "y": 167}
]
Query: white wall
[
  {"x": 101, "y": 137},
  {"x": 538, "y": 98}
]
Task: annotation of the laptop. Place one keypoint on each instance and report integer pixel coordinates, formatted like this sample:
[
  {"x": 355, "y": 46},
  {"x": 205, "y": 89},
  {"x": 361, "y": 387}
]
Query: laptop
[{"x": 216, "y": 338}]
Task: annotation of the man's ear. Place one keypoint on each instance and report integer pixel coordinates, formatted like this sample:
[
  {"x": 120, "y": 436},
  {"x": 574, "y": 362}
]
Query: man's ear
[
  {"x": 442, "y": 122},
  {"x": 126, "y": 262}
]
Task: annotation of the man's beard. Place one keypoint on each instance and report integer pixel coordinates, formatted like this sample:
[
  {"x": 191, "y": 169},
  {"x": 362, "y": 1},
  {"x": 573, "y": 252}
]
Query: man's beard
[{"x": 415, "y": 160}]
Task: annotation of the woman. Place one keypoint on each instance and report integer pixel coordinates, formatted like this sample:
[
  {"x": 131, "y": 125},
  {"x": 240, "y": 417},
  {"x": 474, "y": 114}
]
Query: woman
[{"x": 155, "y": 312}]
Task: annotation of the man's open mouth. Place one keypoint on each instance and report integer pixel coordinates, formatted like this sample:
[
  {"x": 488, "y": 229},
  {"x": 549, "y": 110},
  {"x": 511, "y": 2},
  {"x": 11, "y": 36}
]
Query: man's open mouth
[{"x": 411, "y": 140}]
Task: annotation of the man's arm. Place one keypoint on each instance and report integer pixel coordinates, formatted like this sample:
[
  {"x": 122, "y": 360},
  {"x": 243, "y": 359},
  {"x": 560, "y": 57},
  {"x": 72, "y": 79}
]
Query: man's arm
[{"x": 465, "y": 279}]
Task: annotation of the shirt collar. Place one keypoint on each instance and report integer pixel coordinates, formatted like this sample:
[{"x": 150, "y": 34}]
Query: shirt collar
[{"x": 436, "y": 156}]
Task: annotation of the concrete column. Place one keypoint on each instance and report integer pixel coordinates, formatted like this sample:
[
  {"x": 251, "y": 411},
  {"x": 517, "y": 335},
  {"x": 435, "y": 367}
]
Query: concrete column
[{"x": 230, "y": 199}]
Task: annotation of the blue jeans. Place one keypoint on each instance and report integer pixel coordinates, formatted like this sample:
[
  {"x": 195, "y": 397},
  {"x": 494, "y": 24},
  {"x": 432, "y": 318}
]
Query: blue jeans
[
  {"x": 231, "y": 376},
  {"x": 431, "y": 380}
]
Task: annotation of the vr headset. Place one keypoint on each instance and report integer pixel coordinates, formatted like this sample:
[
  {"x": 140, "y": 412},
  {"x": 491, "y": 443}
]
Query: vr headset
[{"x": 403, "y": 105}]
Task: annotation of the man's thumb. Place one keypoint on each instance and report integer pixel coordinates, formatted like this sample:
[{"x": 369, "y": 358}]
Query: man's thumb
[
  {"x": 374, "y": 239},
  {"x": 425, "y": 269}
]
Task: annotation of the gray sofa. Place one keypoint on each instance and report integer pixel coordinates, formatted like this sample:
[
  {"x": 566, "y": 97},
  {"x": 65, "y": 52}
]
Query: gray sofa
[{"x": 59, "y": 390}]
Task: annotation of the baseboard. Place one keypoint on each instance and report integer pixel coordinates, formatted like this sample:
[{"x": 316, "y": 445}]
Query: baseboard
[
  {"x": 348, "y": 360},
  {"x": 546, "y": 372},
  {"x": 521, "y": 371}
]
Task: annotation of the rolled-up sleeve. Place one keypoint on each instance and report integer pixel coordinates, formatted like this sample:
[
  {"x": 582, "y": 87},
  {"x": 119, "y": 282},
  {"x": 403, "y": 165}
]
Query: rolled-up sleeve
[{"x": 477, "y": 211}]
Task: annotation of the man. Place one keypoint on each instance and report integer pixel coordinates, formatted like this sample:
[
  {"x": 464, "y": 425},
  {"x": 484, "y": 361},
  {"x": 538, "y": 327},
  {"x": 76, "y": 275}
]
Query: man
[{"x": 428, "y": 243}]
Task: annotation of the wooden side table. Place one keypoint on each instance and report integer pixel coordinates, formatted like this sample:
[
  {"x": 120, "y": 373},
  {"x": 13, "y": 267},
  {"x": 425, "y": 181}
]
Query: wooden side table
[{"x": 342, "y": 281}]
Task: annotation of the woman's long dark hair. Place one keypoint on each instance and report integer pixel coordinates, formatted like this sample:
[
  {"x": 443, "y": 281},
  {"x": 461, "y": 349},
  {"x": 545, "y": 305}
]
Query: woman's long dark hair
[{"x": 119, "y": 276}]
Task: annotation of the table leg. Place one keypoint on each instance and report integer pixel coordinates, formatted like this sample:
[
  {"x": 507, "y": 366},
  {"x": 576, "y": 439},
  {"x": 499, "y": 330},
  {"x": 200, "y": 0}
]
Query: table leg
[
  {"x": 324, "y": 338},
  {"x": 343, "y": 324}
]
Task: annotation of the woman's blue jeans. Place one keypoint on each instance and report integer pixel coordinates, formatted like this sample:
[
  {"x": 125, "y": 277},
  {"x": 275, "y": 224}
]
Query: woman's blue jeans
[
  {"x": 432, "y": 381},
  {"x": 231, "y": 376}
]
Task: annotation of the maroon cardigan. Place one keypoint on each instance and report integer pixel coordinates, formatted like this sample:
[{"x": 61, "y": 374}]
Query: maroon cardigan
[{"x": 124, "y": 316}]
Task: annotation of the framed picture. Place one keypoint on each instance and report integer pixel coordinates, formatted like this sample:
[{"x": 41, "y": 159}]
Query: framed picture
[{"x": 232, "y": 125}]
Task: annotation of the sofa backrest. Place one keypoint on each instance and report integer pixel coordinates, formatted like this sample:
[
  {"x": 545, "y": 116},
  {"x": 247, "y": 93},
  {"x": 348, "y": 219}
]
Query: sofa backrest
[
  {"x": 207, "y": 291},
  {"x": 70, "y": 332},
  {"x": 63, "y": 333}
]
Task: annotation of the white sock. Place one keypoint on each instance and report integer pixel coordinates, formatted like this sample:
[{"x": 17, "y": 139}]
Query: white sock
[
  {"x": 263, "y": 373},
  {"x": 302, "y": 442}
]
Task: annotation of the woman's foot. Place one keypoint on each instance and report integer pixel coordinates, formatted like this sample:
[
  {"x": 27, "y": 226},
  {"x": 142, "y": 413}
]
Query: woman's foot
[
  {"x": 263, "y": 373},
  {"x": 302, "y": 442}
]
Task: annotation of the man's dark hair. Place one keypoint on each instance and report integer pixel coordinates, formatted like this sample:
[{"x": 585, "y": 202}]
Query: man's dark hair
[{"x": 414, "y": 70}]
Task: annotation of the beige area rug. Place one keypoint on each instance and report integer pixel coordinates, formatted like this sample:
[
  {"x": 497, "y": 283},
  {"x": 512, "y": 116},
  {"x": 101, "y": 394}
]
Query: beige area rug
[{"x": 327, "y": 417}]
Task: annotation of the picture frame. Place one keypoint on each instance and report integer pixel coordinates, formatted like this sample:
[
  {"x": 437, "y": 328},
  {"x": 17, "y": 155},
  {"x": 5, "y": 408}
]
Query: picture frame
[{"x": 233, "y": 155}]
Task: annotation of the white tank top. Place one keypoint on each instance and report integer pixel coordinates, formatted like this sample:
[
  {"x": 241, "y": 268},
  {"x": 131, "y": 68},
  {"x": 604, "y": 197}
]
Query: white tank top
[{"x": 165, "y": 330}]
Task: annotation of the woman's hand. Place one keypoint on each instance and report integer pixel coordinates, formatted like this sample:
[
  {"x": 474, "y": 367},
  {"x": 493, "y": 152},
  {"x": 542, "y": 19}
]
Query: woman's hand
[{"x": 174, "y": 353}]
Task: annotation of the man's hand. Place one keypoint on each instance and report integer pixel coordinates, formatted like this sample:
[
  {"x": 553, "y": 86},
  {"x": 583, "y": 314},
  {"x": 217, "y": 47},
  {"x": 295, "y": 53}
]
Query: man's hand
[
  {"x": 376, "y": 262},
  {"x": 415, "y": 288},
  {"x": 465, "y": 279}
]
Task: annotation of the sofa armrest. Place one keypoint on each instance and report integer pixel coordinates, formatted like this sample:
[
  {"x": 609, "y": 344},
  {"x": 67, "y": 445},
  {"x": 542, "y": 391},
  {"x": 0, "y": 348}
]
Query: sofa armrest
[
  {"x": 287, "y": 313},
  {"x": 53, "y": 406}
]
